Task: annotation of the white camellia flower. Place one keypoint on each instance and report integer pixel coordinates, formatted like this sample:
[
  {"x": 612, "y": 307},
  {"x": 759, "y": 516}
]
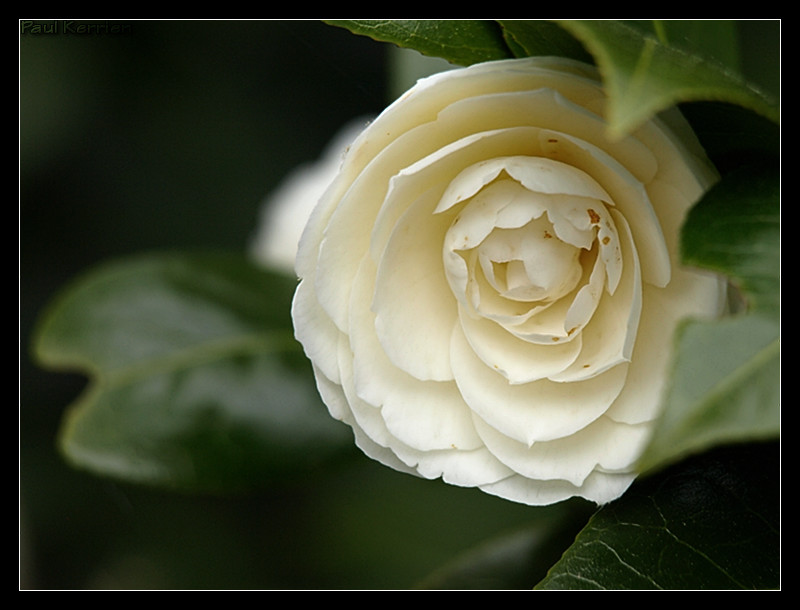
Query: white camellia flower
[{"x": 490, "y": 286}]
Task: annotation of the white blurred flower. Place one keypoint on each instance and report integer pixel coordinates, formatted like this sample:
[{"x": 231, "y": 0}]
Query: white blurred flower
[
  {"x": 490, "y": 286},
  {"x": 285, "y": 211}
]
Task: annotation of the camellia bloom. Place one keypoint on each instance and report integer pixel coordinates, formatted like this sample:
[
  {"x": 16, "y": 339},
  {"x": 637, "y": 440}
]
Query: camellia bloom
[{"x": 490, "y": 286}]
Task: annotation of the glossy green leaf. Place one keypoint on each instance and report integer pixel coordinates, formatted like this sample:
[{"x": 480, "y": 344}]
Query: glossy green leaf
[
  {"x": 461, "y": 42},
  {"x": 711, "y": 523},
  {"x": 647, "y": 69},
  {"x": 195, "y": 379}
]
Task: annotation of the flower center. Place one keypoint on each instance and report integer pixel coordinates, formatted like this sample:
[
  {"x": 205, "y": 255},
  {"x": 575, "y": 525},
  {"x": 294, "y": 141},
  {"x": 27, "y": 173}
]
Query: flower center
[
  {"x": 530, "y": 263},
  {"x": 532, "y": 247}
]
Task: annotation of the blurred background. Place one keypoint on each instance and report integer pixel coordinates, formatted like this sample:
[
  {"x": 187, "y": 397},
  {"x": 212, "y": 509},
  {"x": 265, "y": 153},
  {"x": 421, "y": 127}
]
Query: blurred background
[{"x": 169, "y": 136}]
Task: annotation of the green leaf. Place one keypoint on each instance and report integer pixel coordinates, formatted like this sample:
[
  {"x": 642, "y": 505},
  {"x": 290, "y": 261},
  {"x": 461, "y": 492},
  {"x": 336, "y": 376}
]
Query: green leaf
[
  {"x": 712, "y": 523},
  {"x": 461, "y": 42},
  {"x": 465, "y": 42},
  {"x": 725, "y": 388},
  {"x": 735, "y": 230},
  {"x": 725, "y": 382},
  {"x": 648, "y": 68},
  {"x": 540, "y": 37},
  {"x": 196, "y": 382}
]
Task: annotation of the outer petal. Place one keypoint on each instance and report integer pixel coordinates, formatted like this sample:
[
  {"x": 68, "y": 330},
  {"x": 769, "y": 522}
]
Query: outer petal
[
  {"x": 603, "y": 445},
  {"x": 415, "y": 333},
  {"x": 424, "y": 415},
  {"x": 598, "y": 487},
  {"x": 315, "y": 331},
  {"x": 470, "y": 468},
  {"x": 463, "y": 468}
]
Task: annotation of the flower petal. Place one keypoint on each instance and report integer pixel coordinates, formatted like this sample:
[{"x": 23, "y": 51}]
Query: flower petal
[
  {"x": 603, "y": 444},
  {"x": 539, "y": 411},
  {"x": 424, "y": 415},
  {"x": 415, "y": 333},
  {"x": 315, "y": 331},
  {"x": 516, "y": 359},
  {"x": 598, "y": 487}
]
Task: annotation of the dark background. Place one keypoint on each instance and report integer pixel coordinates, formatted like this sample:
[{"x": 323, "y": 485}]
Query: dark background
[{"x": 168, "y": 137}]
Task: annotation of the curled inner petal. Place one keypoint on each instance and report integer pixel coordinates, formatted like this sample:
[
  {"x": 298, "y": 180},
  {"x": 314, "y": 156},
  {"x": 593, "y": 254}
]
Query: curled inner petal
[{"x": 529, "y": 264}]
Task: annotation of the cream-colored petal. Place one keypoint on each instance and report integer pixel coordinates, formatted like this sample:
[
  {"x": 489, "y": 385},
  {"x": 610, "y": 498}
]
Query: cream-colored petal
[
  {"x": 346, "y": 236},
  {"x": 442, "y": 165},
  {"x": 430, "y": 416},
  {"x": 538, "y": 411},
  {"x": 603, "y": 444},
  {"x": 528, "y": 263},
  {"x": 562, "y": 322},
  {"x": 630, "y": 195},
  {"x": 533, "y": 321},
  {"x": 462, "y": 468},
  {"x": 516, "y": 359},
  {"x": 414, "y": 309},
  {"x": 598, "y": 487},
  {"x": 380, "y": 454},
  {"x": 690, "y": 294},
  {"x": 504, "y": 203},
  {"x": 424, "y": 415},
  {"x": 318, "y": 335},
  {"x": 537, "y": 174},
  {"x": 333, "y": 396},
  {"x": 609, "y": 338},
  {"x": 367, "y": 416},
  {"x": 469, "y": 468},
  {"x": 359, "y": 211}
]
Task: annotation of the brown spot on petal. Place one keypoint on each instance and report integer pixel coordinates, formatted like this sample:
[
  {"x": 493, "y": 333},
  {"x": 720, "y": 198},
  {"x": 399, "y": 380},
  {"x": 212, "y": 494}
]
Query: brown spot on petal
[
  {"x": 593, "y": 216},
  {"x": 606, "y": 239},
  {"x": 547, "y": 235}
]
